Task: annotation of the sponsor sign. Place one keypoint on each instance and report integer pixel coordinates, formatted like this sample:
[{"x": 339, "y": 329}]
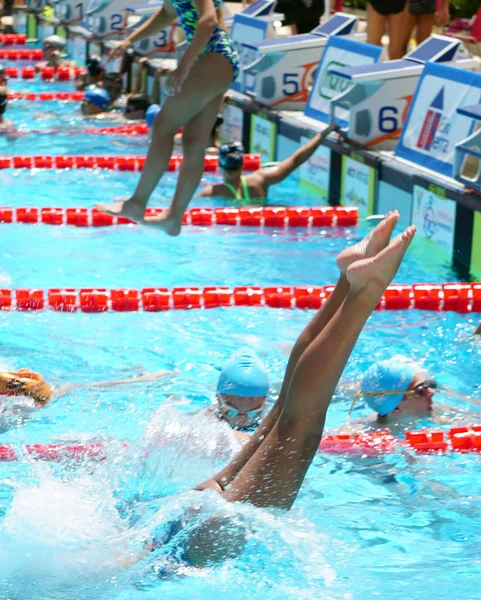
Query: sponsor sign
[
  {"x": 433, "y": 127},
  {"x": 339, "y": 52},
  {"x": 434, "y": 217}
]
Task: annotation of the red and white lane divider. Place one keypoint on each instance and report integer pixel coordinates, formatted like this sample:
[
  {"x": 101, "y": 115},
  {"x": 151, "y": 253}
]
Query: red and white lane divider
[
  {"x": 44, "y": 73},
  {"x": 316, "y": 216},
  {"x": 13, "y": 39},
  {"x": 457, "y": 297},
  {"x": 47, "y": 96},
  {"x": 424, "y": 441},
  {"x": 252, "y": 162}
]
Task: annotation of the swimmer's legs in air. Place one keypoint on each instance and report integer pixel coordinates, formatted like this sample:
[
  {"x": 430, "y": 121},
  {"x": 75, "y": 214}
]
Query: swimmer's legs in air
[
  {"x": 371, "y": 245},
  {"x": 195, "y": 108},
  {"x": 274, "y": 472},
  {"x": 274, "y": 475}
]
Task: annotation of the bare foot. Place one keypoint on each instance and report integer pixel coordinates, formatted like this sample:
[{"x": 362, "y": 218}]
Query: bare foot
[
  {"x": 165, "y": 222},
  {"x": 374, "y": 242},
  {"x": 124, "y": 207},
  {"x": 376, "y": 273}
]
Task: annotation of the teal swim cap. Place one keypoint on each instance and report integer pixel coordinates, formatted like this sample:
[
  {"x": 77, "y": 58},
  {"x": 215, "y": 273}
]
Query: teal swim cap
[
  {"x": 391, "y": 375},
  {"x": 243, "y": 375}
]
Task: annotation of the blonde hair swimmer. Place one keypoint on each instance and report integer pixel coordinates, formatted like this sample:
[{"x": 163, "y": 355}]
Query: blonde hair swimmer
[
  {"x": 398, "y": 385},
  {"x": 26, "y": 383},
  {"x": 242, "y": 390}
]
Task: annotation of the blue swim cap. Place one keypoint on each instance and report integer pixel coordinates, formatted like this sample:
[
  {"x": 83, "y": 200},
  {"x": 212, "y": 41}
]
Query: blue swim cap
[
  {"x": 151, "y": 113},
  {"x": 393, "y": 374},
  {"x": 243, "y": 375},
  {"x": 97, "y": 96}
]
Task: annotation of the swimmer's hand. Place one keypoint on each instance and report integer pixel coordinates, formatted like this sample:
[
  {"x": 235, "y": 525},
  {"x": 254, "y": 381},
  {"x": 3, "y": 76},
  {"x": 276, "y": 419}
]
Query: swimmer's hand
[
  {"x": 119, "y": 49},
  {"x": 176, "y": 80}
]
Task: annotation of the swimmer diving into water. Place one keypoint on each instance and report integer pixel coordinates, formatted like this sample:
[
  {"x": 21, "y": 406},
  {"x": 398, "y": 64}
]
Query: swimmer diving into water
[
  {"x": 271, "y": 467},
  {"x": 196, "y": 89}
]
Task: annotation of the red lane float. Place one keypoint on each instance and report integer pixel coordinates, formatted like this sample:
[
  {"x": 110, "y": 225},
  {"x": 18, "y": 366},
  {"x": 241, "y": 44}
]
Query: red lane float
[
  {"x": 252, "y": 162},
  {"x": 318, "y": 216},
  {"x": 48, "y": 96},
  {"x": 21, "y": 54},
  {"x": 156, "y": 299},
  {"x": 457, "y": 439},
  {"x": 13, "y": 39},
  {"x": 424, "y": 441}
]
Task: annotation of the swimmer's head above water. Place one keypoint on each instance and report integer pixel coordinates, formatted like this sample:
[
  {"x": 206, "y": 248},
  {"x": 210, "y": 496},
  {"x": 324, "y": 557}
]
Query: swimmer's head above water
[
  {"x": 231, "y": 159},
  {"x": 95, "y": 101},
  {"x": 400, "y": 386},
  {"x": 137, "y": 107},
  {"x": 242, "y": 390}
]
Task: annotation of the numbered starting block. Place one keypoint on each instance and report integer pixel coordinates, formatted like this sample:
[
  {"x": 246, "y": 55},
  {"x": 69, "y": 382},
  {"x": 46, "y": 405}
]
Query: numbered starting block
[
  {"x": 282, "y": 73},
  {"x": 69, "y": 12},
  {"x": 160, "y": 45},
  {"x": 376, "y": 106},
  {"x": 108, "y": 18},
  {"x": 467, "y": 153}
]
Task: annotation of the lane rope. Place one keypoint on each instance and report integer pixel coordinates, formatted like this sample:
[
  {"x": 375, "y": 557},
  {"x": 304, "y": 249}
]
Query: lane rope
[
  {"x": 424, "y": 441},
  {"x": 252, "y": 162},
  {"x": 457, "y": 297},
  {"x": 299, "y": 216}
]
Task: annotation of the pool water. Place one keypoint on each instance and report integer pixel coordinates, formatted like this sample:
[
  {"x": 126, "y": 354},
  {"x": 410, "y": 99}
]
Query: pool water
[{"x": 397, "y": 526}]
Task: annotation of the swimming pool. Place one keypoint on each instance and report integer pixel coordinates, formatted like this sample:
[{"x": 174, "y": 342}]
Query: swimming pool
[{"x": 398, "y": 526}]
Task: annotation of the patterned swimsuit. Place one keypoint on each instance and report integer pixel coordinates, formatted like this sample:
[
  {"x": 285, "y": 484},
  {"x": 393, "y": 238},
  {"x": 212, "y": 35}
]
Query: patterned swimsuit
[{"x": 219, "y": 42}]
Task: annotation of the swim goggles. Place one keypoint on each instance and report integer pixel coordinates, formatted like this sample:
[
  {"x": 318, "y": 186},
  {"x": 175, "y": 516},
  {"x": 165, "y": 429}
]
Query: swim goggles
[
  {"x": 230, "y": 411},
  {"x": 420, "y": 390}
]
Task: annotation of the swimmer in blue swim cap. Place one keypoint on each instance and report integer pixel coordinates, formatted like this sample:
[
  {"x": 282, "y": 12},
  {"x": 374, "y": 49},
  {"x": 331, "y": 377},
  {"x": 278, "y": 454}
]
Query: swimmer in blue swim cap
[
  {"x": 95, "y": 101},
  {"x": 242, "y": 390},
  {"x": 398, "y": 387}
]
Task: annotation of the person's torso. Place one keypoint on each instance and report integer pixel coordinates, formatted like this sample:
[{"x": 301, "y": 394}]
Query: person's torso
[{"x": 188, "y": 15}]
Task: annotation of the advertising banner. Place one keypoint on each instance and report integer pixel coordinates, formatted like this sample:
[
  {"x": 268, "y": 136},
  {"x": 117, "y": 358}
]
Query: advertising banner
[
  {"x": 339, "y": 52},
  {"x": 433, "y": 127},
  {"x": 434, "y": 217},
  {"x": 358, "y": 182}
]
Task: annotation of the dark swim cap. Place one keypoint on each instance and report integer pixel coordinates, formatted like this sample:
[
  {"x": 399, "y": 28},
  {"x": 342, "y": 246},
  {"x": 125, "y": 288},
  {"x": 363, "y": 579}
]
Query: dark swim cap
[
  {"x": 3, "y": 103},
  {"x": 94, "y": 66},
  {"x": 231, "y": 156}
]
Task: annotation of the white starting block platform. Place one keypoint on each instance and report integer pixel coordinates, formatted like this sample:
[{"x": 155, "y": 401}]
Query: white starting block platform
[
  {"x": 69, "y": 12},
  {"x": 467, "y": 153},
  {"x": 376, "y": 105},
  {"x": 281, "y": 75},
  {"x": 108, "y": 18},
  {"x": 161, "y": 45},
  {"x": 262, "y": 9}
]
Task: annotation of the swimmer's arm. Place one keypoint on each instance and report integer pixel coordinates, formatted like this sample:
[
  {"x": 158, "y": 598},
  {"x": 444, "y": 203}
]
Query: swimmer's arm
[
  {"x": 208, "y": 19},
  {"x": 164, "y": 17},
  {"x": 208, "y": 191},
  {"x": 478, "y": 330},
  {"x": 116, "y": 382},
  {"x": 278, "y": 173}
]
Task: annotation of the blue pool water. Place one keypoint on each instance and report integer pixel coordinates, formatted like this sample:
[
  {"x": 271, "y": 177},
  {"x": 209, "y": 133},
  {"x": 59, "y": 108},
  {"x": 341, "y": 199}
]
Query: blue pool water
[{"x": 398, "y": 526}]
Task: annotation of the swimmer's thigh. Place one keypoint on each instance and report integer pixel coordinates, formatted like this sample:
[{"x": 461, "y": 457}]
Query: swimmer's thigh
[{"x": 210, "y": 76}]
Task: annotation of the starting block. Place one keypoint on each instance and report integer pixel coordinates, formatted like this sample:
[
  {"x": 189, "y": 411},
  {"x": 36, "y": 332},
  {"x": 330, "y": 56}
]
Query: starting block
[
  {"x": 108, "y": 18},
  {"x": 160, "y": 45},
  {"x": 263, "y": 9},
  {"x": 69, "y": 12},
  {"x": 378, "y": 102},
  {"x": 282, "y": 73},
  {"x": 467, "y": 153}
]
